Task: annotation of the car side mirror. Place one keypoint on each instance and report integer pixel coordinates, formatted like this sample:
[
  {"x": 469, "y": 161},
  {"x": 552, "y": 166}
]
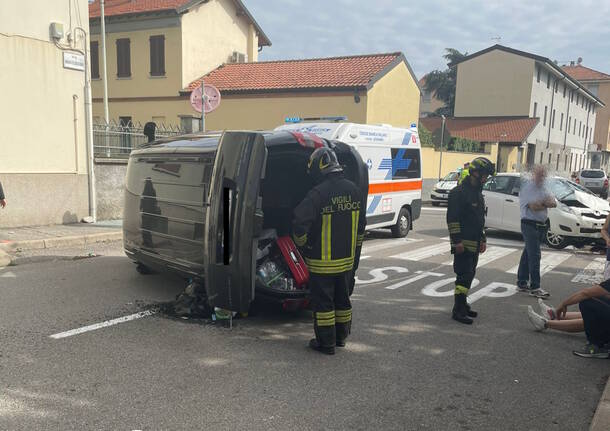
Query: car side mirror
[{"x": 515, "y": 193}]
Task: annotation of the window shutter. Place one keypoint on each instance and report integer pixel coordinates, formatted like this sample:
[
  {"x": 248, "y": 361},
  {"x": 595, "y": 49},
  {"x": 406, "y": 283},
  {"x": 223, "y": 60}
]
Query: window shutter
[
  {"x": 157, "y": 55},
  {"x": 95, "y": 60},
  {"x": 123, "y": 53}
]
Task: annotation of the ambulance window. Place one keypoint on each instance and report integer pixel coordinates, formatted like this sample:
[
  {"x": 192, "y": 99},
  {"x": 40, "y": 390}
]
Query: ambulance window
[{"x": 406, "y": 163}]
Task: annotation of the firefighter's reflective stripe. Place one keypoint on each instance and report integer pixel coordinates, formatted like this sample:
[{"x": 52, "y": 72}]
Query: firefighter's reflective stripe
[
  {"x": 343, "y": 316},
  {"x": 471, "y": 245},
  {"x": 355, "y": 216},
  {"x": 337, "y": 266},
  {"x": 461, "y": 290},
  {"x": 360, "y": 240},
  {"x": 326, "y": 237},
  {"x": 300, "y": 241},
  {"x": 325, "y": 318},
  {"x": 454, "y": 228}
]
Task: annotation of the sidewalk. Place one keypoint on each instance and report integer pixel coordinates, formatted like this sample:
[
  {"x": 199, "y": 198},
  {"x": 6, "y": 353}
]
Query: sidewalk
[
  {"x": 42, "y": 237},
  {"x": 601, "y": 420}
]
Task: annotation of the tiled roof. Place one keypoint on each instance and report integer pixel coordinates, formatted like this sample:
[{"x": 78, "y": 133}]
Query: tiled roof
[
  {"x": 316, "y": 73},
  {"x": 126, "y": 7},
  {"x": 582, "y": 73},
  {"x": 123, "y": 7},
  {"x": 484, "y": 129}
]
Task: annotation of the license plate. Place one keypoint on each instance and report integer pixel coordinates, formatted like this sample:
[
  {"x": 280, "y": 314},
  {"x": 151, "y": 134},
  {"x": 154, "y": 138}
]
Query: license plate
[{"x": 590, "y": 184}]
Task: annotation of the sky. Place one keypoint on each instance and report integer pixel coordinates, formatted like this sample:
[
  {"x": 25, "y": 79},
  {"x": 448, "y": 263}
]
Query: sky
[{"x": 558, "y": 29}]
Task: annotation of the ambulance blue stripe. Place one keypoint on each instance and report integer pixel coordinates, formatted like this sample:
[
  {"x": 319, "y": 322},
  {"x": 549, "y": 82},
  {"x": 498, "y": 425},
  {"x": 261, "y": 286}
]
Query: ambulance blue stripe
[
  {"x": 407, "y": 138},
  {"x": 374, "y": 204}
]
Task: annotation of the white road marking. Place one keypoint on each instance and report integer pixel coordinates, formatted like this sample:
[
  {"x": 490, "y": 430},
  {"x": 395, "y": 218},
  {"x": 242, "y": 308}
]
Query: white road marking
[
  {"x": 497, "y": 241},
  {"x": 434, "y": 209},
  {"x": 548, "y": 262},
  {"x": 364, "y": 257},
  {"x": 8, "y": 274},
  {"x": 421, "y": 275},
  {"x": 388, "y": 244},
  {"x": 423, "y": 253},
  {"x": 492, "y": 253},
  {"x": 379, "y": 274},
  {"x": 592, "y": 273},
  {"x": 105, "y": 324}
]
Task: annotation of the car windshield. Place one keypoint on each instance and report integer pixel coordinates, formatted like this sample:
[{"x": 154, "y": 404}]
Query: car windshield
[
  {"x": 563, "y": 188},
  {"x": 578, "y": 187},
  {"x": 592, "y": 174},
  {"x": 451, "y": 176}
]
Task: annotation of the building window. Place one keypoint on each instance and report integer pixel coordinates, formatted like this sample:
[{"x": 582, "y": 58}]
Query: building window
[
  {"x": 95, "y": 60},
  {"x": 556, "y": 85},
  {"x": 574, "y": 131},
  {"x": 537, "y": 73},
  {"x": 157, "y": 55},
  {"x": 541, "y": 154},
  {"x": 571, "y": 96},
  {"x": 550, "y": 156},
  {"x": 553, "y": 120},
  {"x": 569, "y": 124},
  {"x": 586, "y": 133},
  {"x": 580, "y": 129},
  {"x": 578, "y": 99},
  {"x": 564, "y": 90},
  {"x": 565, "y": 163},
  {"x": 561, "y": 122},
  {"x": 123, "y": 58},
  {"x": 548, "y": 80},
  {"x": 571, "y": 166},
  {"x": 535, "y": 109},
  {"x": 544, "y": 120},
  {"x": 557, "y": 163}
]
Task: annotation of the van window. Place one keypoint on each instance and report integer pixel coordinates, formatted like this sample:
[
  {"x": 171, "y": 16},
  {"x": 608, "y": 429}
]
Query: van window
[
  {"x": 499, "y": 184},
  {"x": 592, "y": 174},
  {"x": 406, "y": 163}
]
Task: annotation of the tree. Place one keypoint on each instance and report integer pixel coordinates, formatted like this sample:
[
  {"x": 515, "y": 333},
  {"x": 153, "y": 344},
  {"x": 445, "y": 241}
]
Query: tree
[{"x": 442, "y": 82}]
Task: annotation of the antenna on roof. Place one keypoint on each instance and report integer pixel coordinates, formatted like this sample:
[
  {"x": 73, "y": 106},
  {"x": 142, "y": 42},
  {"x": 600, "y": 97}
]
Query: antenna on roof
[{"x": 497, "y": 39}]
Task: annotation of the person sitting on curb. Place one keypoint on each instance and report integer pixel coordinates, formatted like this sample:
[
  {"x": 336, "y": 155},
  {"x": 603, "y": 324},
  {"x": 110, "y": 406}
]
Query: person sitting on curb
[{"x": 594, "y": 319}]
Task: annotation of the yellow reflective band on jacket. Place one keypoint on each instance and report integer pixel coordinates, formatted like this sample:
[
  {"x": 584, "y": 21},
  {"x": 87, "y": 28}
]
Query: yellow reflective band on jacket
[
  {"x": 325, "y": 318},
  {"x": 460, "y": 290},
  {"x": 471, "y": 245},
  {"x": 343, "y": 316},
  {"x": 355, "y": 217},
  {"x": 300, "y": 241},
  {"x": 337, "y": 266},
  {"x": 454, "y": 227},
  {"x": 326, "y": 237},
  {"x": 360, "y": 240}
]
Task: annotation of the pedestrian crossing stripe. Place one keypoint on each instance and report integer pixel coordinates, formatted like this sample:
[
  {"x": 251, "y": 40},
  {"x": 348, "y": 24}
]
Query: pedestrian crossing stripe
[
  {"x": 423, "y": 253},
  {"x": 548, "y": 262},
  {"x": 492, "y": 254},
  {"x": 593, "y": 273}
]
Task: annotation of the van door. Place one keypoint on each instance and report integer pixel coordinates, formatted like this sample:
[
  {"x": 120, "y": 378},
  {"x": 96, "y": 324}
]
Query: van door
[
  {"x": 355, "y": 168},
  {"x": 233, "y": 220}
]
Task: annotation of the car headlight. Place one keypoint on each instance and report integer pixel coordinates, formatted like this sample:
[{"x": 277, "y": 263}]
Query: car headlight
[{"x": 566, "y": 209}]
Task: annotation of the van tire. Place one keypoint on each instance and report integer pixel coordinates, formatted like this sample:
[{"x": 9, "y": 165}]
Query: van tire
[{"x": 403, "y": 224}]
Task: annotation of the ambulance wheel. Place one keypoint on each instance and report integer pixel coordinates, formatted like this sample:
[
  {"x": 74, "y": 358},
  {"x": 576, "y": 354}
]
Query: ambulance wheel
[{"x": 403, "y": 224}]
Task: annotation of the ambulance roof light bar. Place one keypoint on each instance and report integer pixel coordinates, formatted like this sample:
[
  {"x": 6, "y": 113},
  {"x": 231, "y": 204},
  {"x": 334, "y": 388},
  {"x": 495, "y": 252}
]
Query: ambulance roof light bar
[{"x": 333, "y": 119}]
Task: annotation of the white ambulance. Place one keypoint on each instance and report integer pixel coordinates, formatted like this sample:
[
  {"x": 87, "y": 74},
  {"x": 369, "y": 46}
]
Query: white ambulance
[{"x": 393, "y": 157}]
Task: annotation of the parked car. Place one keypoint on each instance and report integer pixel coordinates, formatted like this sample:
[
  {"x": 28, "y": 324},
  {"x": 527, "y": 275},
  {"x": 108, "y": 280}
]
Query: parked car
[
  {"x": 595, "y": 180},
  {"x": 441, "y": 190},
  {"x": 577, "y": 219}
]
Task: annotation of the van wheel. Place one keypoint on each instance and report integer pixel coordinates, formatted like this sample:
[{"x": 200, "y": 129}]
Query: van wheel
[
  {"x": 143, "y": 269},
  {"x": 403, "y": 224},
  {"x": 556, "y": 241}
]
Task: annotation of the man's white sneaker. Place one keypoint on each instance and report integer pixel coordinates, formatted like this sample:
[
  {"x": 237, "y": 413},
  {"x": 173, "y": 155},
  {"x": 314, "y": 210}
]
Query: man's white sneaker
[
  {"x": 546, "y": 311},
  {"x": 537, "y": 321}
]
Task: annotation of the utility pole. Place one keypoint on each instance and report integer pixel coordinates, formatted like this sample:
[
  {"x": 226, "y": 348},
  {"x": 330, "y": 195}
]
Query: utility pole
[
  {"x": 104, "y": 72},
  {"x": 440, "y": 163}
]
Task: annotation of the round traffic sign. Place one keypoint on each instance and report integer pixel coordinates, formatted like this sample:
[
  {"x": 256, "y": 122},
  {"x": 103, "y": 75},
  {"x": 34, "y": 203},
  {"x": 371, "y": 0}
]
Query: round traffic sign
[{"x": 211, "y": 98}]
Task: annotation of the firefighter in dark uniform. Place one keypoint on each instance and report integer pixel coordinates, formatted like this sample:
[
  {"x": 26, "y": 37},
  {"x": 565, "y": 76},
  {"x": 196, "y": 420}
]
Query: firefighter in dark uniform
[
  {"x": 466, "y": 222},
  {"x": 329, "y": 227}
]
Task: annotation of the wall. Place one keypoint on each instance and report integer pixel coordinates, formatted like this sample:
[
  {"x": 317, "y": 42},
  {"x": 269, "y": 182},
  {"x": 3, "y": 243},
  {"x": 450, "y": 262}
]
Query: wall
[
  {"x": 43, "y": 163},
  {"x": 143, "y": 110},
  {"x": 110, "y": 188},
  {"x": 602, "y": 127},
  {"x": 394, "y": 99},
  {"x": 451, "y": 160},
  {"x": 497, "y": 83},
  {"x": 140, "y": 84},
  {"x": 267, "y": 111},
  {"x": 210, "y": 34}
]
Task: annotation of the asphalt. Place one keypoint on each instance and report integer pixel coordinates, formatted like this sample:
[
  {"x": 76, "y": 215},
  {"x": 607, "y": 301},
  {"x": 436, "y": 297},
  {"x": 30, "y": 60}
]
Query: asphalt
[{"x": 407, "y": 366}]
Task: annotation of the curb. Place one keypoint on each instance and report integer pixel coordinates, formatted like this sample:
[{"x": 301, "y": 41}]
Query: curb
[
  {"x": 601, "y": 419},
  {"x": 64, "y": 241}
]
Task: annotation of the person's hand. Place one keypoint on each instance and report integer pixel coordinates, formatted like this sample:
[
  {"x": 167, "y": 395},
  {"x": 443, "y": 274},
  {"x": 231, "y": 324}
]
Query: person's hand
[
  {"x": 2, "y": 203},
  {"x": 459, "y": 248},
  {"x": 483, "y": 247},
  {"x": 561, "y": 311}
]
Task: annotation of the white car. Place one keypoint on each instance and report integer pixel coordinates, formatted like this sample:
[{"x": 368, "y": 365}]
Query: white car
[
  {"x": 441, "y": 190},
  {"x": 577, "y": 220}
]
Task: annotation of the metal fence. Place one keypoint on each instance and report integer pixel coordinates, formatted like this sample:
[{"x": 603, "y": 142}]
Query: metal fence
[{"x": 116, "y": 140}]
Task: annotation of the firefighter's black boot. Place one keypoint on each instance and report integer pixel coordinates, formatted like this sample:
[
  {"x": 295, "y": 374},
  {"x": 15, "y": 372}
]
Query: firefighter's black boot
[
  {"x": 469, "y": 311},
  {"x": 314, "y": 344},
  {"x": 460, "y": 312}
]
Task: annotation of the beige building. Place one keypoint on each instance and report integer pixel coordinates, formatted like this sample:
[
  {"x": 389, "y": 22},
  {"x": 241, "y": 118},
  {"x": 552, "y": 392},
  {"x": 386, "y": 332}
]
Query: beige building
[
  {"x": 598, "y": 83},
  {"x": 376, "y": 88},
  {"x": 429, "y": 103},
  {"x": 501, "y": 81},
  {"x": 154, "y": 49},
  {"x": 43, "y": 155}
]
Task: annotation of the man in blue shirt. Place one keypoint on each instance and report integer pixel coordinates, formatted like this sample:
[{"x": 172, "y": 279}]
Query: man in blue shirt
[{"x": 534, "y": 200}]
